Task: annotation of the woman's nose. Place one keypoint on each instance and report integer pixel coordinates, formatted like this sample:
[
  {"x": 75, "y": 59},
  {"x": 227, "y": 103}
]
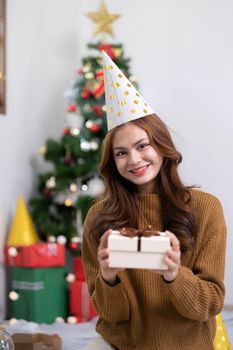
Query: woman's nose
[{"x": 134, "y": 158}]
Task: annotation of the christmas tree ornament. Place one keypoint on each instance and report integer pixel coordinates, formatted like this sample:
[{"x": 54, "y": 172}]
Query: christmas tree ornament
[
  {"x": 75, "y": 239},
  {"x": 72, "y": 320},
  {"x": 133, "y": 79},
  {"x": 87, "y": 67},
  {"x": 13, "y": 295},
  {"x": 103, "y": 20},
  {"x": 91, "y": 84},
  {"x": 98, "y": 110},
  {"x": 94, "y": 145},
  {"x": 108, "y": 49},
  {"x": 51, "y": 239},
  {"x": 117, "y": 52},
  {"x": 89, "y": 75},
  {"x": 51, "y": 182},
  {"x": 89, "y": 124},
  {"x": 80, "y": 71},
  {"x": 85, "y": 145},
  {"x": 70, "y": 277},
  {"x": 95, "y": 128},
  {"x": 47, "y": 192},
  {"x": 22, "y": 231},
  {"x": 42, "y": 150},
  {"x": 66, "y": 131},
  {"x": 12, "y": 251},
  {"x": 75, "y": 132},
  {"x": 85, "y": 94},
  {"x": 123, "y": 101},
  {"x": 73, "y": 187},
  {"x": 221, "y": 340},
  {"x": 68, "y": 202},
  {"x": 6, "y": 342},
  {"x": 87, "y": 108},
  {"x": 73, "y": 246},
  {"x": 95, "y": 187},
  {"x": 61, "y": 240},
  {"x": 13, "y": 321},
  {"x": 72, "y": 108},
  {"x": 84, "y": 188}
]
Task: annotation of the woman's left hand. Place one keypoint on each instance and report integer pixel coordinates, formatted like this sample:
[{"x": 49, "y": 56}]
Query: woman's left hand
[{"x": 172, "y": 259}]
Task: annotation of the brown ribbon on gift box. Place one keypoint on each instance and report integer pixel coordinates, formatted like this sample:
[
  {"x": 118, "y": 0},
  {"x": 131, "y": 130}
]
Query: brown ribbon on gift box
[{"x": 133, "y": 232}]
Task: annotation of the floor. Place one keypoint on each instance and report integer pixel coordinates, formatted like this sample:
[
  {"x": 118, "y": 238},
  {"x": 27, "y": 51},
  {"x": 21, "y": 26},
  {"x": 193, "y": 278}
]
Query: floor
[{"x": 77, "y": 335}]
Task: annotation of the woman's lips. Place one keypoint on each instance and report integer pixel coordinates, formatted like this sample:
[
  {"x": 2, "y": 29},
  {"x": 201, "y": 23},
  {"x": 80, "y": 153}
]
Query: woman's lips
[{"x": 139, "y": 171}]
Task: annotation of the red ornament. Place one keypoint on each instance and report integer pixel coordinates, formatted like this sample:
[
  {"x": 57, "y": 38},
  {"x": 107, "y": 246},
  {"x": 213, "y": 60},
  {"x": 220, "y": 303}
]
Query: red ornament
[
  {"x": 72, "y": 108},
  {"x": 98, "y": 110},
  {"x": 108, "y": 49},
  {"x": 73, "y": 245},
  {"x": 99, "y": 74},
  {"x": 95, "y": 128},
  {"x": 47, "y": 192},
  {"x": 79, "y": 71},
  {"x": 99, "y": 90},
  {"x": 85, "y": 94},
  {"x": 66, "y": 131}
]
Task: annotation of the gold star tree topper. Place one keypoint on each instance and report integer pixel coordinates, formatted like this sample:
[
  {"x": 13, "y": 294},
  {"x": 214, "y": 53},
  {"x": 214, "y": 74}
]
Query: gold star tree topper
[{"x": 103, "y": 20}]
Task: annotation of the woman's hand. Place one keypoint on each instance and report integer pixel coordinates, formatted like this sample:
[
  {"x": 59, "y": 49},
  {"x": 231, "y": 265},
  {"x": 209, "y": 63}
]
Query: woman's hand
[
  {"x": 172, "y": 259},
  {"x": 109, "y": 274}
]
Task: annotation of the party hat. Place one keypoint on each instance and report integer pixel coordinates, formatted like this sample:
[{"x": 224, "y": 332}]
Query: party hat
[
  {"x": 221, "y": 340},
  {"x": 123, "y": 101},
  {"x": 22, "y": 232}
]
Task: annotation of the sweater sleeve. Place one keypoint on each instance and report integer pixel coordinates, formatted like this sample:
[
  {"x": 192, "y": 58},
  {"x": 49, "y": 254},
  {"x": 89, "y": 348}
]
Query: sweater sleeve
[
  {"x": 110, "y": 302},
  {"x": 198, "y": 293}
]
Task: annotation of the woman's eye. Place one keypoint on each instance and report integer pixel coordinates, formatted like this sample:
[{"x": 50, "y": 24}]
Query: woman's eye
[
  {"x": 143, "y": 145},
  {"x": 120, "y": 154}
]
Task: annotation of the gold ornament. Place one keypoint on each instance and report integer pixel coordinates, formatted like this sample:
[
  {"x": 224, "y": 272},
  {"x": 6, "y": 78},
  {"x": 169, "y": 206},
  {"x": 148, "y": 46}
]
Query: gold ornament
[
  {"x": 22, "y": 232},
  {"x": 221, "y": 341},
  {"x": 103, "y": 20},
  {"x": 42, "y": 150}
]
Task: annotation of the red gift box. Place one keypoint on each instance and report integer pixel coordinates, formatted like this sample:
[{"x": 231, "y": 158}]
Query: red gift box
[
  {"x": 78, "y": 269},
  {"x": 37, "y": 255},
  {"x": 80, "y": 301}
]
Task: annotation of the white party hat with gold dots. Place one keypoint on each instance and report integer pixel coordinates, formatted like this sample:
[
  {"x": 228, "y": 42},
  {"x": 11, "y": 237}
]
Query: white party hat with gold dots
[{"x": 123, "y": 101}]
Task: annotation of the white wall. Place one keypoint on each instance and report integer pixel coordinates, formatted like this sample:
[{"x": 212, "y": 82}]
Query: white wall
[{"x": 182, "y": 54}]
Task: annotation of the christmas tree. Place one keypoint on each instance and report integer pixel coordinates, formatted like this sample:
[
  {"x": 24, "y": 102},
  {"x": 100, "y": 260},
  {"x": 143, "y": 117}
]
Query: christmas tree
[{"x": 66, "y": 193}]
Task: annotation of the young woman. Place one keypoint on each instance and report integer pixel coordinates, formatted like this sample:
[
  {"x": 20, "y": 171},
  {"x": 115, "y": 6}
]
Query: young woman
[{"x": 148, "y": 309}]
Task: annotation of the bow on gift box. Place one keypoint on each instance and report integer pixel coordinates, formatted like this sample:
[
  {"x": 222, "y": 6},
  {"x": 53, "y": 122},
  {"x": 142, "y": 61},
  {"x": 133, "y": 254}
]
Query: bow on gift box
[{"x": 133, "y": 232}]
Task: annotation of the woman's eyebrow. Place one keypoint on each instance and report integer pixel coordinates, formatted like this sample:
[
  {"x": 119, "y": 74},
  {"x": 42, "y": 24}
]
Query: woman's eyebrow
[{"x": 134, "y": 144}]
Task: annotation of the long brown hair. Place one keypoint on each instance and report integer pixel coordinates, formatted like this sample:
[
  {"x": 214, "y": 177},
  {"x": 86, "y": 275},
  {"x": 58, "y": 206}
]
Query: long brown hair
[{"x": 120, "y": 200}]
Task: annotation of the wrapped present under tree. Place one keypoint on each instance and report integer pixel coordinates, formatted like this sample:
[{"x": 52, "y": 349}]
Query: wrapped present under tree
[{"x": 42, "y": 293}]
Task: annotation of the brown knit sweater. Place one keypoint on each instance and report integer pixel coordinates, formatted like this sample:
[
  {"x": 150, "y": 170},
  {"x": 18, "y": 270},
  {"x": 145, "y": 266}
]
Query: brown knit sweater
[{"x": 144, "y": 312}]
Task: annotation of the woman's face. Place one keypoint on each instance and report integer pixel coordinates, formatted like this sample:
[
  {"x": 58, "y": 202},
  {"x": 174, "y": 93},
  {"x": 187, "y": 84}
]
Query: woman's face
[{"x": 135, "y": 158}]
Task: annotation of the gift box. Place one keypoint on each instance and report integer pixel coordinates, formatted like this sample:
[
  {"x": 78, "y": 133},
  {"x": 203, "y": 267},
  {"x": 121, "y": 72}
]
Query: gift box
[
  {"x": 37, "y": 341},
  {"x": 80, "y": 301},
  {"x": 42, "y": 294},
  {"x": 138, "y": 252},
  {"x": 37, "y": 255},
  {"x": 78, "y": 269}
]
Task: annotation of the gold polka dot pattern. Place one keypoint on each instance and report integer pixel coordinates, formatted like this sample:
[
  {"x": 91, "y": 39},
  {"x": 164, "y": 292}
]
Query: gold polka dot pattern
[
  {"x": 221, "y": 340},
  {"x": 123, "y": 101}
]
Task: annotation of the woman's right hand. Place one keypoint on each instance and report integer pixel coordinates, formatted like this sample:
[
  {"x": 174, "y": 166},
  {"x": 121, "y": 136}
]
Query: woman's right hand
[{"x": 109, "y": 274}]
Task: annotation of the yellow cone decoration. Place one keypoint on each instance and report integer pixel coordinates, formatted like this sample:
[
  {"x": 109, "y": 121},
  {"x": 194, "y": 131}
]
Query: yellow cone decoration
[
  {"x": 22, "y": 232},
  {"x": 221, "y": 341}
]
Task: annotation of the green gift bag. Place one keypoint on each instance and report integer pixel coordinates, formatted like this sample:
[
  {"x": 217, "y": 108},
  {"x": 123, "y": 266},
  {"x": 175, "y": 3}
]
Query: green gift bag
[{"x": 42, "y": 293}]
